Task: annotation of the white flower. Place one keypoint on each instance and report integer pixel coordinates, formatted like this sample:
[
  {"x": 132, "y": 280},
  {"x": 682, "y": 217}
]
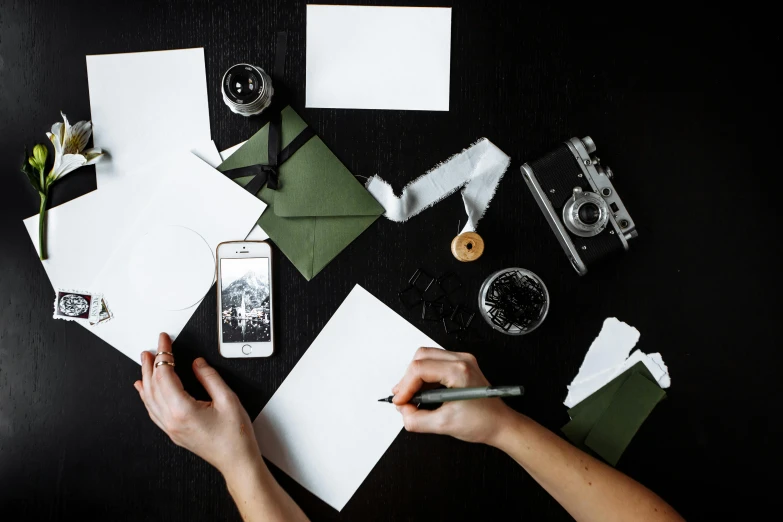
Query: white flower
[{"x": 69, "y": 142}]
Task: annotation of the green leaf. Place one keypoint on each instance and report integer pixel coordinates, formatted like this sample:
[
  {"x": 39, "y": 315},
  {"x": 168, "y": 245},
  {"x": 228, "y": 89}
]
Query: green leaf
[{"x": 31, "y": 173}]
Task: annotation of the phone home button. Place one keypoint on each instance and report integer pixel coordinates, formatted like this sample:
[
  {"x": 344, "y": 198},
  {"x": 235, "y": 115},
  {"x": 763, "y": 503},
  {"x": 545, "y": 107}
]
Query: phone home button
[{"x": 246, "y": 349}]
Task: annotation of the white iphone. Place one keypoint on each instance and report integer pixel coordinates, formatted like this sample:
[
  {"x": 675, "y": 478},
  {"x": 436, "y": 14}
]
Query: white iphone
[{"x": 245, "y": 325}]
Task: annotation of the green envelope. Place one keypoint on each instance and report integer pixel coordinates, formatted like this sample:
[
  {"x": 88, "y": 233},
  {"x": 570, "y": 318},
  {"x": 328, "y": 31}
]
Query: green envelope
[{"x": 319, "y": 207}]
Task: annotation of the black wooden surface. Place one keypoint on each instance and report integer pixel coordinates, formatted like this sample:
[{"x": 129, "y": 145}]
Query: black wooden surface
[{"x": 668, "y": 98}]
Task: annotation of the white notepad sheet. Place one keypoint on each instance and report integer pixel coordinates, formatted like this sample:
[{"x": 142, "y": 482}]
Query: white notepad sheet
[
  {"x": 362, "y": 57},
  {"x": 324, "y": 426}
]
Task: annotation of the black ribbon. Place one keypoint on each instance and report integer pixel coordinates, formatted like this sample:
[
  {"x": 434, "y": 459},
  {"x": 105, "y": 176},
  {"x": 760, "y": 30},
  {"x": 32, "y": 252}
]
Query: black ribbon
[{"x": 267, "y": 174}]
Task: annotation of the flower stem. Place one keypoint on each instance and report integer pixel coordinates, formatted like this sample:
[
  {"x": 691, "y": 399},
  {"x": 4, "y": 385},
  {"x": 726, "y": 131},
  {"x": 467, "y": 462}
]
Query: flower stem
[{"x": 42, "y": 226}]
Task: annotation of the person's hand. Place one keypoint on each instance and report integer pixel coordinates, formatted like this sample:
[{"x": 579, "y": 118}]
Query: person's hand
[
  {"x": 473, "y": 421},
  {"x": 219, "y": 431}
]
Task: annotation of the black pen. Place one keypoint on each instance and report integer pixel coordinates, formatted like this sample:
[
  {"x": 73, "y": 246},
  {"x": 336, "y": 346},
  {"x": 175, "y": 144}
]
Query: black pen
[{"x": 461, "y": 394}]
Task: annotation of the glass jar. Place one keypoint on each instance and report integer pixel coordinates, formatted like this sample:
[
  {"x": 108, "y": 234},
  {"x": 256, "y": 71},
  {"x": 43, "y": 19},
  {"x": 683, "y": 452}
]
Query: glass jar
[{"x": 497, "y": 314}]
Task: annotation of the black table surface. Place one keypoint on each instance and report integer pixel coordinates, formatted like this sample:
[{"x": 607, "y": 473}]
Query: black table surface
[{"x": 668, "y": 98}]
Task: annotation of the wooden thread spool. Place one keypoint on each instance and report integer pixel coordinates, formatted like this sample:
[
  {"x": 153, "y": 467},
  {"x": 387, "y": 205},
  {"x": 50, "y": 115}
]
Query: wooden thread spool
[{"x": 467, "y": 246}]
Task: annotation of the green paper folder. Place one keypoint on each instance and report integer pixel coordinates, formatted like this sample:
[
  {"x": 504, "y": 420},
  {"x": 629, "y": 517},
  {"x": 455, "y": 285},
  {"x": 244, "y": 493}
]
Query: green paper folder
[
  {"x": 585, "y": 414},
  {"x": 319, "y": 208},
  {"x": 632, "y": 404},
  {"x": 614, "y": 426}
]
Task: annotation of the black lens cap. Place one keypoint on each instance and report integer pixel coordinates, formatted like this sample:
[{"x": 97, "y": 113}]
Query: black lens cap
[{"x": 589, "y": 213}]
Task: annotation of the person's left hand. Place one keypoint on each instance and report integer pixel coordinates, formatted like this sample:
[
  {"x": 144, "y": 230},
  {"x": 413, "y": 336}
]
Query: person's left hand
[{"x": 219, "y": 431}]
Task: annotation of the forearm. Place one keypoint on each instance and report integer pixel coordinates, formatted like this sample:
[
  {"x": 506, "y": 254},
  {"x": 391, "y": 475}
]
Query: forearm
[
  {"x": 587, "y": 488},
  {"x": 258, "y": 496}
]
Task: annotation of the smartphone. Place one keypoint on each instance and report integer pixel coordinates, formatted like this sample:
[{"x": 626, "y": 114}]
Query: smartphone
[{"x": 245, "y": 325}]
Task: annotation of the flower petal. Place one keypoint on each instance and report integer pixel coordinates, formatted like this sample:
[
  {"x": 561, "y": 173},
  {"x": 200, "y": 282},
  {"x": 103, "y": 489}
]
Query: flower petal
[
  {"x": 58, "y": 129},
  {"x": 58, "y": 147},
  {"x": 65, "y": 120},
  {"x": 78, "y": 137},
  {"x": 58, "y": 151},
  {"x": 68, "y": 163},
  {"x": 92, "y": 155}
]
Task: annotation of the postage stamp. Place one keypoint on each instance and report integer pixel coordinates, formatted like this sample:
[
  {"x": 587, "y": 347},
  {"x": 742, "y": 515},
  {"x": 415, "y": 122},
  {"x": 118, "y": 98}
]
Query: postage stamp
[{"x": 77, "y": 305}]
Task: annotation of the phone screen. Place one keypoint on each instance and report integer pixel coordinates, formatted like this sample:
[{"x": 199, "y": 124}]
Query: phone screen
[{"x": 244, "y": 295}]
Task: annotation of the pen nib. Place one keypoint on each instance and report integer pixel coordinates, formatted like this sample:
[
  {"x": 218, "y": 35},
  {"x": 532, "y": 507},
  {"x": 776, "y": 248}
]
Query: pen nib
[{"x": 386, "y": 399}]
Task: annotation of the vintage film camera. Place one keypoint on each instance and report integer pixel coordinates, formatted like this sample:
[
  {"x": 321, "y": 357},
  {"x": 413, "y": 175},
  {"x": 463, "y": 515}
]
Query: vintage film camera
[{"x": 577, "y": 197}]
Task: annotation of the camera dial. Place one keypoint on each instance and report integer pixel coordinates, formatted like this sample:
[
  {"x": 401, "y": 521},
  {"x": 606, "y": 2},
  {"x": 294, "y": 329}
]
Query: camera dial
[{"x": 585, "y": 214}]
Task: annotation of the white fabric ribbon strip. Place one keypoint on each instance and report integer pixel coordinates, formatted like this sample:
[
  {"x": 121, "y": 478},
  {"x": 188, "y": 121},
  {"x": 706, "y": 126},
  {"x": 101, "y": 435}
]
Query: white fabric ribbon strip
[{"x": 478, "y": 169}]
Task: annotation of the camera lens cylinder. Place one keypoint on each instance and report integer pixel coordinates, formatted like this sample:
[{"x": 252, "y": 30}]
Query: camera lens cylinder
[
  {"x": 589, "y": 213},
  {"x": 247, "y": 89}
]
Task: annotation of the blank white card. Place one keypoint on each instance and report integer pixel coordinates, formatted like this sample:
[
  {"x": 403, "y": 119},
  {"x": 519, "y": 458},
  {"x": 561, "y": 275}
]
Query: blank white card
[
  {"x": 361, "y": 57},
  {"x": 324, "y": 426}
]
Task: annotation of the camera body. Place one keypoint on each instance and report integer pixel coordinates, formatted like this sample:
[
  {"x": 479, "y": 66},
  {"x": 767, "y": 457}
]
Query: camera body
[{"x": 576, "y": 194}]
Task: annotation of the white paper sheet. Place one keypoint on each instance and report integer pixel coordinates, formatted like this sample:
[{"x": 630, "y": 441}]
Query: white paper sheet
[
  {"x": 193, "y": 196},
  {"x": 225, "y": 154},
  {"x": 208, "y": 153},
  {"x": 79, "y": 237},
  {"x": 378, "y": 57},
  {"x": 608, "y": 357},
  {"x": 324, "y": 426},
  {"x": 139, "y": 119},
  {"x": 84, "y": 232},
  {"x": 257, "y": 234},
  {"x": 171, "y": 267},
  {"x": 143, "y": 107}
]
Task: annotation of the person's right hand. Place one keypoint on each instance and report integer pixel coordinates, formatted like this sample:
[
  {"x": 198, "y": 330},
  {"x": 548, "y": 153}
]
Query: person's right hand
[{"x": 473, "y": 421}]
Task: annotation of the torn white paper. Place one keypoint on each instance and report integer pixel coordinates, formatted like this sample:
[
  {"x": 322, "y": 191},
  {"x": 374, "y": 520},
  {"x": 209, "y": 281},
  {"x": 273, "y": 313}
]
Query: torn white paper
[
  {"x": 192, "y": 197},
  {"x": 361, "y": 57},
  {"x": 609, "y": 349},
  {"x": 324, "y": 425},
  {"x": 608, "y": 357},
  {"x": 479, "y": 169}
]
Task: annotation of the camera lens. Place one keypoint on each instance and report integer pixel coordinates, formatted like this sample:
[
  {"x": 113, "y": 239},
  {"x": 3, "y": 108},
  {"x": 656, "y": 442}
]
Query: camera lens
[
  {"x": 246, "y": 89},
  {"x": 589, "y": 213},
  {"x": 585, "y": 214},
  {"x": 243, "y": 85}
]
